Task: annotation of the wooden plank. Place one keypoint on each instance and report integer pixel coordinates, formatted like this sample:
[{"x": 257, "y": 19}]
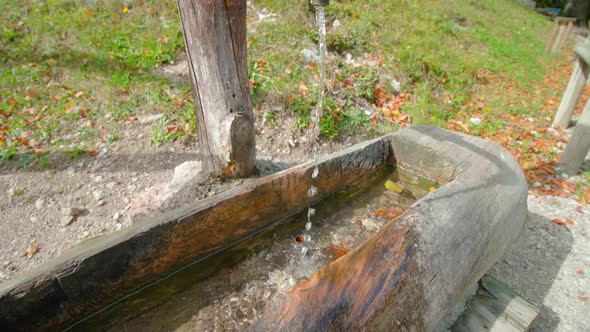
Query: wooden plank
[
  {"x": 572, "y": 94},
  {"x": 564, "y": 19},
  {"x": 552, "y": 37},
  {"x": 496, "y": 307},
  {"x": 576, "y": 150}
]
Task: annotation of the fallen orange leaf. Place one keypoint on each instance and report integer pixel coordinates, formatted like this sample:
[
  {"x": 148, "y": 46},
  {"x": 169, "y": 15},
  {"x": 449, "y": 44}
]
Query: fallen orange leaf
[
  {"x": 337, "y": 250},
  {"x": 381, "y": 212},
  {"x": 32, "y": 250}
]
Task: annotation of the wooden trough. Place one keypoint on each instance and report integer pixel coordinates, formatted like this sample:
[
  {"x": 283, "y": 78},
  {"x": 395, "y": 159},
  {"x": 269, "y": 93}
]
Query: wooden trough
[{"x": 406, "y": 277}]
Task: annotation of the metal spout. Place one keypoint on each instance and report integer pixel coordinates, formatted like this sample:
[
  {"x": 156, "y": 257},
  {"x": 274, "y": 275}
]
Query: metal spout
[{"x": 322, "y": 3}]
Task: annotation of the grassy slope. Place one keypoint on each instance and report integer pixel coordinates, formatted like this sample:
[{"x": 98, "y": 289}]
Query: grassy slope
[{"x": 69, "y": 64}]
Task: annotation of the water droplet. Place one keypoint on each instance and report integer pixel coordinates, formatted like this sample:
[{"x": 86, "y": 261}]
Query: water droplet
[
  {"x": 308, "y": 226},
  {"x": 315, "y": 173},
  {"x": 307, "y": 237},
  {"x": 310, "y": 212},
  {"x": 312, "y": 191}
]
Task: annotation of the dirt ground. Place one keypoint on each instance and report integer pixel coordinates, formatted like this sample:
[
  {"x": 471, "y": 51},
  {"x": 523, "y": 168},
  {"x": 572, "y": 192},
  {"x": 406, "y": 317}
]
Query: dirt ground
[{"x": 60, "y": 206}]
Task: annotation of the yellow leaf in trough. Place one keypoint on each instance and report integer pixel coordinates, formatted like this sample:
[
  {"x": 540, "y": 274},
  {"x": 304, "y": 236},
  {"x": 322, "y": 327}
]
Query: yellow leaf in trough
[
  {"x": 392, "y": 186},
  {"x": 431, "y": 189}
]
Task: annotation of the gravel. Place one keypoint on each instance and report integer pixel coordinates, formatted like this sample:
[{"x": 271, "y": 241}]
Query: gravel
[{"x": 550, "y": 265}]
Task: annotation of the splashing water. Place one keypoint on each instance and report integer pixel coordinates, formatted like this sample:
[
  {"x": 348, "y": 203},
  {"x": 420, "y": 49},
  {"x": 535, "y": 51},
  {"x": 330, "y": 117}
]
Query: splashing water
[{"x": 321, "y": 21}]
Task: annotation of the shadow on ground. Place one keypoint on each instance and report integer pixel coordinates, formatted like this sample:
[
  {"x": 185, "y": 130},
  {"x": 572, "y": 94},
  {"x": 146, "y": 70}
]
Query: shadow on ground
[{"x": 532, "y": 265}]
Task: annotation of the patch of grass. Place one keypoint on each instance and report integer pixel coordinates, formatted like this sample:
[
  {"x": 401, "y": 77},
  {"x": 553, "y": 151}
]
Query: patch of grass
[
  {"x": 68, "y": 67},
  {"x": 76, "y": 71}
]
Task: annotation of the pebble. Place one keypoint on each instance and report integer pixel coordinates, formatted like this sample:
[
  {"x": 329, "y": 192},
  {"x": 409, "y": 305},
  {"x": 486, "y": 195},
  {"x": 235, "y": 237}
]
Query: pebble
[
  {"x": 39, "y": 203},
  {"x": 71, "y": 211},
  {"x": 110, "y": 185},
  {"x": 369, "y": 224},
  {"x": 116, "y": 216},
  {"x": 67, "y": 220},
  {"x": 98, "y": 178},
  {"x": 150, "y": 118},
  {"x": 134, "y": 179},
  {"x": 100, "y": 203},
  {"x": 536, "y": 184},
  {"x": 34, "y": 219},
  {"x": 85, "y": 234},
  {"x": 98, "y": 195},
  {"x": 475, "y": 121}
]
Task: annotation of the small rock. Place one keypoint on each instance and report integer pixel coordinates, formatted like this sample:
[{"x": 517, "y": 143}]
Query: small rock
[
  {"x": 102, "y": 153},
  {"x": 310, "y": 55},
  {"x": 336, "y": 24},
  {"x": 110, "y": 185},
  {"x": 396, "y": 85},
  {"x": 98, "y": 178},
  {"x": 85, "y": 234},
  {"x": 98, "y": 195},
  {"x": 39, "y": 203},
  {"x": 291, "y": 143},
  {"x": 475, "y": 121},
  {"x": 134, "y": 179},
  {"x": 553, "y": 131},
  {"x": 536, "y": 184},
  {"x": 34, "y": 219},
  {"x": 67, "y": 220},
  {"x": 150, "y": 118},
  {"x": 369, "y": 224},
  {"x": 100, "y": 203},
  {"x": 71, "y": 211},
  {"x": 71, "y": 171},
  {"x": 116, "y": 216},
  {"x": 118, "y": 226},
  {"x": 235, "y": 279}
]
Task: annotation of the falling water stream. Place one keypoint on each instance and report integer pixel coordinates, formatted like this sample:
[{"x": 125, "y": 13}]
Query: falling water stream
[{"x": 321, "y": 22}]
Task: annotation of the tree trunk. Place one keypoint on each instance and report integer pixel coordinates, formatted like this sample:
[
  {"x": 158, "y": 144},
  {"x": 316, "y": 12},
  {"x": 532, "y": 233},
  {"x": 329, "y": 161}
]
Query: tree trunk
[{"x": 215, "y": 38}]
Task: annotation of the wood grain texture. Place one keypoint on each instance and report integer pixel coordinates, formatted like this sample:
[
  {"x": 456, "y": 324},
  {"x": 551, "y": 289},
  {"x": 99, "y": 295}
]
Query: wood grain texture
[
  {"x": 103, "y": 269},
  {"x": 406, "y": 277},
  {"x": 496, "y": 308},
  {"x": 215, "y": 40},
  {"x": 417, "y": 267}
]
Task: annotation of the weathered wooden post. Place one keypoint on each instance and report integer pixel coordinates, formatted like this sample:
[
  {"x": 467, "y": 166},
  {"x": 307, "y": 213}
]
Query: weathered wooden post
[
  {"x": 575, "y": 86},
  {"x": 577, "y": 148},
  {"x": 215, "y": 38},
  {"x": 561, "y": 30}
]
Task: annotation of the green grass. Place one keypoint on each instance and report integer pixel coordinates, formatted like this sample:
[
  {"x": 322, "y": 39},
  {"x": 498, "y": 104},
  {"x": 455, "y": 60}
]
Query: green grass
[
  {"x": 74, "y": 72},
  {"x": 439, "y": 46}
]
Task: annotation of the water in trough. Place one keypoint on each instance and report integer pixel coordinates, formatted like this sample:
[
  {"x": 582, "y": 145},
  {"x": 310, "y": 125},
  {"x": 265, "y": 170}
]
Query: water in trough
[{"x": 231, "y": 290}]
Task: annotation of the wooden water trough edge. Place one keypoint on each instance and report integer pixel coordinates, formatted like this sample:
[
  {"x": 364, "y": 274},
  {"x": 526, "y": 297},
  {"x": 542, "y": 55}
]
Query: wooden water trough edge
[{"x": 472, "y": 220}]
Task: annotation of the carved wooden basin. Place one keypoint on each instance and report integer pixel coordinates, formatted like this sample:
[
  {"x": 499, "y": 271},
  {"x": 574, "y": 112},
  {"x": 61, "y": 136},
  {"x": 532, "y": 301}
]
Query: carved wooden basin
[{"x": 406, "y": 277}]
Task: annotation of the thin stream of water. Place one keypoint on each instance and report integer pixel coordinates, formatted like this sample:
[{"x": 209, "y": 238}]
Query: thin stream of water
[{"x": 321, "y": 21}]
